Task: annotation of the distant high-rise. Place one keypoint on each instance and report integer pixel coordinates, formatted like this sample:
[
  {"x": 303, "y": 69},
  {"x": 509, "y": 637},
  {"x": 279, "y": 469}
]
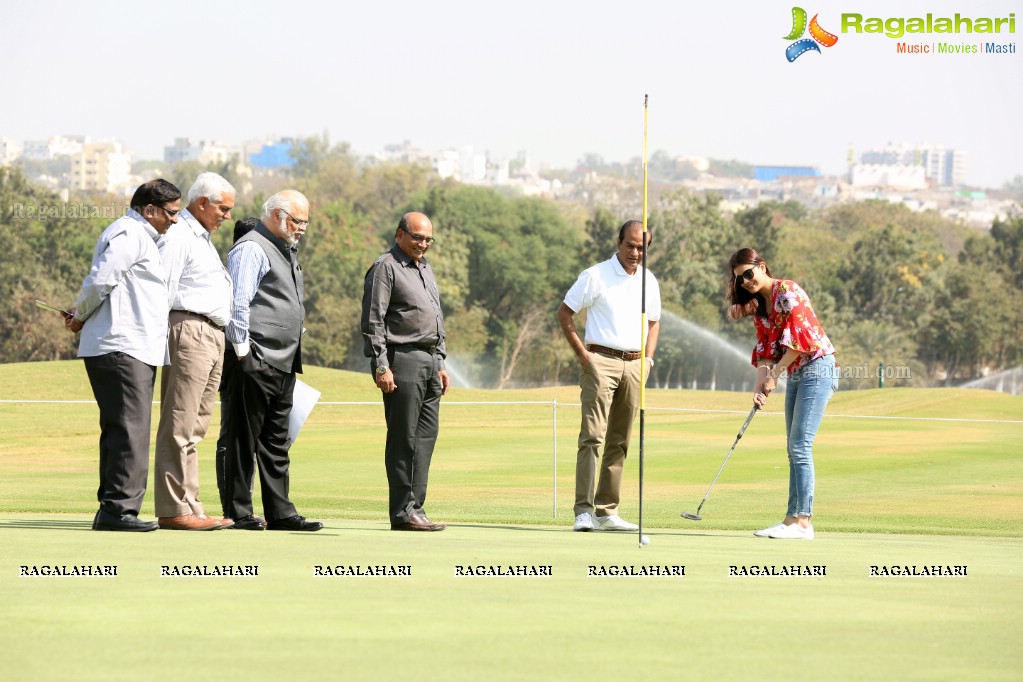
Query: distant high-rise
[
  {"x": 206, "y": 152},
  {"x": 946, "y": 167},
  {"x": 55, "y": 145},
  {"x": 9, "y": 151},
  {"x": 101, "y": 167}
]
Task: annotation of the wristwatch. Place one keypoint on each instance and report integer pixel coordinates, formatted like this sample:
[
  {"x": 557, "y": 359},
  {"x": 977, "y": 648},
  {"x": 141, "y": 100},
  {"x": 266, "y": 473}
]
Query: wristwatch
[{"x": 382, "y": 370}]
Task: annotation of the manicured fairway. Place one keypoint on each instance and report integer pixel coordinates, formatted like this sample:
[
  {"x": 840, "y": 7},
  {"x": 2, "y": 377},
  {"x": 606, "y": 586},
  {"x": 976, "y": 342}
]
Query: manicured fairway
[{"x": 905, "y": 477}]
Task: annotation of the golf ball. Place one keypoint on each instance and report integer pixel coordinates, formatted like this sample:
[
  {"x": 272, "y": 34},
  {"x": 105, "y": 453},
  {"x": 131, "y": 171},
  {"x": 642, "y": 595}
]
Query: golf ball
[{"x": 644, "y": 540}]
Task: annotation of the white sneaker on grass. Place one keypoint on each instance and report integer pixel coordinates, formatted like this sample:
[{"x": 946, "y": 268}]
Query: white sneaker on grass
[
  {"x": 615, "y": 522},
  {"x": 583, "y": 522},
  {"x": 766, "y": 532},
  {"x": 792, "y": 532}
]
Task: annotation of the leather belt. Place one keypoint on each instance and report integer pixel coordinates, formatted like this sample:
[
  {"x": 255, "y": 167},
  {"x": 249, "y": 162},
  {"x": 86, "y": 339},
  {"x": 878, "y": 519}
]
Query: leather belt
[
  {"x": 404, "y": 347},
  {"x": 620, "y": 354},
  {"x": 197, "y": 316}
]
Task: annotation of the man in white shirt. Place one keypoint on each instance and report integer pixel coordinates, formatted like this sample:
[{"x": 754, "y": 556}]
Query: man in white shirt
[
  {"x": 612, "y": 293},
  {"x": 199, "y": 294},
  {"x": 121, "y": 313}
]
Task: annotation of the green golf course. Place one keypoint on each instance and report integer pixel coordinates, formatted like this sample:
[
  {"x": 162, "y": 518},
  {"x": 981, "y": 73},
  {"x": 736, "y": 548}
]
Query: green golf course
[{"x": 925, "y": 482}]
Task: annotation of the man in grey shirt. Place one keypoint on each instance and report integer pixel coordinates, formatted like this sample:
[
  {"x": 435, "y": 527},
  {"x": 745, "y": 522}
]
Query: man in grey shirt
[{"x": 403, "y": 335}]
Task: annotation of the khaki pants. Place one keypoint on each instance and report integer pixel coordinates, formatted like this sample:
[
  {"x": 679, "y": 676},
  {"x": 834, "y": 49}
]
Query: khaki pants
[
  {"x": 610, "y": 400},
  {"x": 187, "y": 393}
]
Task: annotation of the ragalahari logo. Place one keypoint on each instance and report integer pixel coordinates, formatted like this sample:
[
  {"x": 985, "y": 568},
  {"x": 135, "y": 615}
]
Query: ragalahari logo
[{"x": 817, "y": 35}]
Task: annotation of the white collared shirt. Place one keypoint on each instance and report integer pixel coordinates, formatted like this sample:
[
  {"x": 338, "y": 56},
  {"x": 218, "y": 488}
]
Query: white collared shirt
[
  {"x": 614, "y": 300},
  {"x": 123, "y": 301},
  {"x": 197, "y": 281}
]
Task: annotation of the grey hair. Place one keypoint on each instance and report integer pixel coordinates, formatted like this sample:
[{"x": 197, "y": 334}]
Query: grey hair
[
  {"x": 281, "y": 201},
  {"x": 211, "y": 186}
]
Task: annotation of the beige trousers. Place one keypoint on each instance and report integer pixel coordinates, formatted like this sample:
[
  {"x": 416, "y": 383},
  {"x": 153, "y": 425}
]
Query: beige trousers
[
  {"x": 188, "y": 389},
  {"x": 610, "y": 400}
]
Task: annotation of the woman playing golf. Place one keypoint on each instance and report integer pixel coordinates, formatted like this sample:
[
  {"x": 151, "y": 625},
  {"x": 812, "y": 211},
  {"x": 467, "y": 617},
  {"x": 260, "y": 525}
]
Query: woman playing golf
[{"x": 789, "y": 338}]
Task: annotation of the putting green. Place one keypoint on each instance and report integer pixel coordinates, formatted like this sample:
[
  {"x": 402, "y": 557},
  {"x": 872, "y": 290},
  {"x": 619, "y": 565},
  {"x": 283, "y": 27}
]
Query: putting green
[{"x": 437, "y": 625}]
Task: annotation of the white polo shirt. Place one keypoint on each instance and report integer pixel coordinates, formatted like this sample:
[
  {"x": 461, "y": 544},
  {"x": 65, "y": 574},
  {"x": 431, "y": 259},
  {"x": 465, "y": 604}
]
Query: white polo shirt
[{"x": 613, "y": 299}]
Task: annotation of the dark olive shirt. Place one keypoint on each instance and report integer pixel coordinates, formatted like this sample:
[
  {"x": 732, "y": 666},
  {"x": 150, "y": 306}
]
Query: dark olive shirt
[{"x": 401, "y": 307}]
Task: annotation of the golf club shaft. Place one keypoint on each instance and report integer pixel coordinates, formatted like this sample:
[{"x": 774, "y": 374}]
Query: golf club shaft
[
  {"x": 642, "y": 320},
  {"x": 742, "y": 430}
]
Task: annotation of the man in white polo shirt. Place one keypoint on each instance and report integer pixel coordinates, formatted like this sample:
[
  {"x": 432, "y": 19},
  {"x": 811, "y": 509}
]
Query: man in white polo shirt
[{"x": 611, "y": 291}]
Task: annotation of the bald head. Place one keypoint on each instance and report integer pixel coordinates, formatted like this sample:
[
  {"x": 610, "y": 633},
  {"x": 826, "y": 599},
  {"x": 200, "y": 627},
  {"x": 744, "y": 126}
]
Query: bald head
[{"x": 414, "y": 235}]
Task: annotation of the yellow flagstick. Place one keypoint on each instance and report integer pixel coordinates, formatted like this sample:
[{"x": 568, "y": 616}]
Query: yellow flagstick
[{"x": 643, "y": 323}]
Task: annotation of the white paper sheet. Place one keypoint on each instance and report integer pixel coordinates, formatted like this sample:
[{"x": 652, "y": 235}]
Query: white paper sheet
[{"x": 304, "y": 401}]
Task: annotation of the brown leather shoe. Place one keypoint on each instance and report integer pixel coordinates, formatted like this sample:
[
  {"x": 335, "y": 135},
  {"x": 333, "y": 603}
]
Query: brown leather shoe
[
  {"x": 439, "y": 526},
  {"x": 224, "y": 523},
  {"x": 418, "y": 522},
  {"x": 188, "y": 522}
]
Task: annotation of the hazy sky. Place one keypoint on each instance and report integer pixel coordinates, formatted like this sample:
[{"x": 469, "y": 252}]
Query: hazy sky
[{"x": 557, "y": 79}]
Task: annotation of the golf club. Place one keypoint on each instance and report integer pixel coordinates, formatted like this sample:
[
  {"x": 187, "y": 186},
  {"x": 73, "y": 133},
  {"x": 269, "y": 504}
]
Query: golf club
[{"x": 749, "y": 418}]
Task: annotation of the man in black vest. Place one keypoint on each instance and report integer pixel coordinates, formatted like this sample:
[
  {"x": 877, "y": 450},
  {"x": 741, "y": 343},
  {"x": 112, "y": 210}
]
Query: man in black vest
[{"x": 264, "y": 354}]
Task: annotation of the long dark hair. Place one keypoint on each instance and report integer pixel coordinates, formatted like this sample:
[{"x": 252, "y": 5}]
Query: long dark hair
[{"x": 742, "y": 303}]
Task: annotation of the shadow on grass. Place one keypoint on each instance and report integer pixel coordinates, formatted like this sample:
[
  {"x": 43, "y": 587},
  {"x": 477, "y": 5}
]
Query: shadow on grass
[{"x": 45, "y": 524}]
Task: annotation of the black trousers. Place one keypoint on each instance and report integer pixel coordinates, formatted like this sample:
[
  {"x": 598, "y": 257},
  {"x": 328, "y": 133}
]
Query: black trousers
[
  {"x": 258, "y": 405},
  {"x": 412, "y": 412},
  {"x": 123, "y": 387}
]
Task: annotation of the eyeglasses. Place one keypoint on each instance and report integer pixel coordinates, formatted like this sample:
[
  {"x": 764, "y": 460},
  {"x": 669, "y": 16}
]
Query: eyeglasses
[
  {"x": 300, "y": 223},
  {"x": 170, "y": 213},
  {"x": 744, "y": 276},
  {"x": 419, "y": 238}
]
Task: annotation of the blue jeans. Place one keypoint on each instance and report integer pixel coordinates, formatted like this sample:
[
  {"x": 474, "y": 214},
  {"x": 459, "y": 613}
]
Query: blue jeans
[{"x": 806, "y": 395}]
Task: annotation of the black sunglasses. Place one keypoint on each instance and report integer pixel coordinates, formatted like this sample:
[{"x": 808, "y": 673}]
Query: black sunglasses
[{"x": 744, "y": 276}]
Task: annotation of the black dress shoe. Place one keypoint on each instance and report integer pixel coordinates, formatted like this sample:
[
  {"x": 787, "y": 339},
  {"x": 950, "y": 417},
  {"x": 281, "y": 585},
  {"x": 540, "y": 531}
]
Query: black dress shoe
[
  {"x": 125, "y": 522},
  {"x": 293, "y": 523},
  {"x": 418, "y": 522},
  {"x": 249, "y": 522}
]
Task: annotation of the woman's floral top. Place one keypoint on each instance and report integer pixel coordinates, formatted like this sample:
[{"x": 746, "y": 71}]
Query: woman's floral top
[{"x": 790, "y": 323}]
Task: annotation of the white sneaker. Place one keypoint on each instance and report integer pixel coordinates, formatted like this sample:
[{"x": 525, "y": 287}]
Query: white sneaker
[
  {"x": 583, "y": 522},
  {"x": 614, "y": 522},
  {"x": 766, "y": 532},
  {"x": 792, "y": 532}
]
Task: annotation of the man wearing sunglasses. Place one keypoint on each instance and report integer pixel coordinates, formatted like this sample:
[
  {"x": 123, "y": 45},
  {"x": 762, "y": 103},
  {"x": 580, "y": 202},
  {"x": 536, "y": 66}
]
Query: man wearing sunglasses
[
  {"x": 122, "y": 315},
  {"x": 403, "y": 335},
  {"x": 610, "y": 374},
  {"x": 264, "y": 354}
]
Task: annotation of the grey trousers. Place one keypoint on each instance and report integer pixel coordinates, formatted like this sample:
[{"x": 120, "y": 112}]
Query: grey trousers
[
  {"x": 123, "y": 387},
  {"x": 412, "y": 412}
]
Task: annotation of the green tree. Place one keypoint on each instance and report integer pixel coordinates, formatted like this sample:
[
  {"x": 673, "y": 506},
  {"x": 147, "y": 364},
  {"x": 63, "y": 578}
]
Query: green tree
[
  {"x": 966, "y": 324},
  {"x": 601, "y": 236},
  {"x": 45, "y": 250},
  {"x": 692, "y": 240},
  {"x": 889, "y": 274}
]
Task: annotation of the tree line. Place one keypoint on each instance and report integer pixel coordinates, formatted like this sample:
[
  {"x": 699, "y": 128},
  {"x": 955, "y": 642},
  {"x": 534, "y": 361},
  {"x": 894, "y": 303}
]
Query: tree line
[{"x": 907, "y": 289}]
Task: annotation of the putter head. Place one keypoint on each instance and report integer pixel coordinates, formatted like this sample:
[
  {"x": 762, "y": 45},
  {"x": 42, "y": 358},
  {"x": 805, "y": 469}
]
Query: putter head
[{"x": 692, "y": 517}]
